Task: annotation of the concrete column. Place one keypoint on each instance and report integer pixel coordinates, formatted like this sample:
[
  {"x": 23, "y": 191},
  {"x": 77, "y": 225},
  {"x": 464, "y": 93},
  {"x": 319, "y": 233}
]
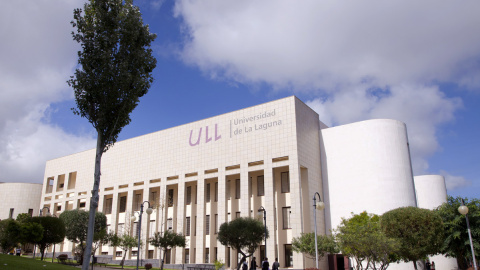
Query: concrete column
[
  {"x": 221, "y": 210},
  {"x": 297, "y": 209},
  {"x": 180, "y": 217},
  {"x": 200, "y": 226},
  {"x": 244, "y": 206},
  {"x": 269, "y": 206}
]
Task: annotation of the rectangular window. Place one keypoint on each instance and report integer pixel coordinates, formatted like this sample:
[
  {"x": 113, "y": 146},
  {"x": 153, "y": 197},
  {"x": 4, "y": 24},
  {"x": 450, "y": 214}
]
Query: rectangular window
[
  {"x": 195, "y": 227},
  {"x": 118, "y": 254},
  {"x": 196, "y": 193},
  {"x": 216, "y": 223},
  {"x": 135, "y": 229},
  {"x": 260, "y": 186},
  {"x": 150, "y": 254},
  {"x": 237, "y": 189},
  {"x": 153, "y": 199},
  {"x": 108, "y": 206},
  {"x": 123, "y": 204},
  {"x": 207, "y": 196},
  {"x": 285, "y": 182},
  {"x": 237, "y": 214},
  {"x": 59, "y": 208},
  {"x": 152, "y": 228},
  {"x": 187, "y": 226},
  {"x": 228, "y": 257},
  {"x": 138, "y": 201},
  {"x": 286, "y": 217},
  {"x": 169, "y": 224},
  {"x": 288, "y": 256},
  {"x": 11, "y": 213},
  {"x": 82, "y": 204},
  {"x": 170, "y": 197},
  {"x": 134, "y": 253},
  {"x": 207, "y": 225},
  {"x": 216, "y": 253},
  {"x": 168, "y": 256},
  {"x": 120, "y": 228},
  {"x": 187, "y": 256},
  {"x": 30, "y": 212},
  {"x": 207, "y": 255},
  {"x": 216, "y": 191},
  {"x": 189, "y": 195}
]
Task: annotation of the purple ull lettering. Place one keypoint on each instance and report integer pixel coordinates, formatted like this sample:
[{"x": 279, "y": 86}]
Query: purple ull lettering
[
  {"x": 207, "y": 139},
  {"x": 198, "y": 139},
  {"x": 217, "y": 137}
]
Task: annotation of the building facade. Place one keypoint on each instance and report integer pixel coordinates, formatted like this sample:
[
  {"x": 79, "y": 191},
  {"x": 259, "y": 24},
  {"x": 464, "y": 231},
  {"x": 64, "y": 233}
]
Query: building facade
[
  {"x": 18, "y": 198},
  {"x": 199, "y": 175}
]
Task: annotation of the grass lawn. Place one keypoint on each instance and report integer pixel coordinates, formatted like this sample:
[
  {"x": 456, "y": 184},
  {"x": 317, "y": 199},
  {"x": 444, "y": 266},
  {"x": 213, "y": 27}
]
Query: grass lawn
[{"x": 8, "y": 262}]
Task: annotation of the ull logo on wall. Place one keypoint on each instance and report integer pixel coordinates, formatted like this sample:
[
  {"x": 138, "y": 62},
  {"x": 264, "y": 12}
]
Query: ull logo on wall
[{"x": 208, "y": 138}]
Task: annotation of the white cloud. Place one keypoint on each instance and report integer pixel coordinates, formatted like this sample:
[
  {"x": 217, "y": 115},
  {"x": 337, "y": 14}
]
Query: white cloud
[
  {"x": 362, "y": 60},
  {"x": 453, "y": 182},
  {"x": 38, "y": 56}
]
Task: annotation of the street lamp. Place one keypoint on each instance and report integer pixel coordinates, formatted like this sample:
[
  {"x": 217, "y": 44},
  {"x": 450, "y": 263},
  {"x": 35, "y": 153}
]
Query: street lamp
[
  {"x": 316, "y": 206},
  {"x": 464, "y": 211},
  {"x": 260, "y": 210},
  {"x": 48, "y": 211},
  {"x": 148, "y": 211}
]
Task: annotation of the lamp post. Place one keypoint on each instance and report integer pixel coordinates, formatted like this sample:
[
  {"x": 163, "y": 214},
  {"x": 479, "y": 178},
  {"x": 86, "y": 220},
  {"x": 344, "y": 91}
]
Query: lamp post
[
  {"x": 260, "y": 210},
  {"x": 48, "y": 210},
  {"x": 464, "y": 211},
  {"x": 148, "y": 211},
  {"x": 316, "y": 206}
]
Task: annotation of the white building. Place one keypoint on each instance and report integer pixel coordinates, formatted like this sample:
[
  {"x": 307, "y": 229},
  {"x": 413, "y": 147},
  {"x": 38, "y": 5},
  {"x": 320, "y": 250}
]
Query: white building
[
  {"x": 275, "y": 155},
  {"x": 17, "y": 198}
]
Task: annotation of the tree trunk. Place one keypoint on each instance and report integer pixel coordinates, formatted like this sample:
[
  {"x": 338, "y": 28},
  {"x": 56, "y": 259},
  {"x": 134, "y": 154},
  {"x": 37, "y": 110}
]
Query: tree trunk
[
  {"x": 93, "y": 202},
  {"x": 163, "y": 260},
  {"x": 123, "y": 259},
  {"x": 415, "y": 265}
]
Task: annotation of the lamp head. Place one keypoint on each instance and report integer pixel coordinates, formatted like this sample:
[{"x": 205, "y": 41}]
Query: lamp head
[
  {"x": 463, "y": 210},
  {"x": 260, "y": 213},
  {"x": 149, "y": 211},
  {"x": 133, "y": 218},
  {"x": 320, "y": 206}
]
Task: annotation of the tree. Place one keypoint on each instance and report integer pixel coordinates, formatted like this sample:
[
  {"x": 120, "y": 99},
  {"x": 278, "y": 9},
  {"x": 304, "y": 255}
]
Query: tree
[
  {"x": 169, "y": 239},
  {"x": 457, "y": 242},
  {"x": 116, "y": 63},
  {"x": 243, "y": 234},
  {"x": 23, "y": 217},
  {"x": 9, "y": 234},
  {"x": 306, "y": 244},
  {"x": 30, "y": 232},
  {"x": 360, "y": 237},
  {"x": 420, "y": 232},
  {"x": 53, "y": 232},
  {"x": 76, "y": 229},
  {"x": 124, "y": 241}
]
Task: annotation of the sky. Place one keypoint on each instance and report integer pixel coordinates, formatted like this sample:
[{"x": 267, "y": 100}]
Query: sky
[{"x": 414, "y": 61}]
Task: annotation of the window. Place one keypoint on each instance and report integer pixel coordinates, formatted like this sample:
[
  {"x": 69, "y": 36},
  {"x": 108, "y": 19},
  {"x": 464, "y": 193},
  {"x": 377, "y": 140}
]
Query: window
[
  {"x": 108, "y": 206},
  {"x": 286, "y": 217},
  {"x": 260, "y": 186},
  {"x": 196, "y": 193},
  {"x": 11, "y": 213},
  {"x": 82, "y": 204},
  {"x": 288, "y": 256},
  {"x": 152, "y": 228},
  {"x": 187, "y": 227},
  {"x": 59, "y": 208},
  {"x": 153, "y": 198},
  {"x": 138, "y": 201},
  {"x": 134, "y": 253},
  {"x": 30, "y": 212},
  {"x": 189, "y": 195},
  {"x": 237, "y": 189},
  {"x": 150, "y": 254},
  {"x": 215, "y": 254},
  {"x": 207, "y": 196},
  {"x": 187, "y": 256},
  {"x": 237, "y": 214},
  {"x": 135, "y": 229},
  {"x": 120, "y": 228},
  {"x": 228, "y": 257},
  {"x": 207, "y": 225},
  {"x": 123, "y": 204},
  {"x": 216, "y": 223},
  {"x": 216, "y": 191},
  {"x": 262, "y": 253},
  {"x": 207, "y": 255},
  {"x": 169, "y": 224},
  {"x": 195, "y": 228},
  {"x": 285, "y": 182},
  {"x": 170, "y": 197},
  {"x": 118, "y": 254}
]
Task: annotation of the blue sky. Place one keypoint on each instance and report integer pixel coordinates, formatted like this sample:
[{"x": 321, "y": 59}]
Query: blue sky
[{"x": 418, "y": 62}]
